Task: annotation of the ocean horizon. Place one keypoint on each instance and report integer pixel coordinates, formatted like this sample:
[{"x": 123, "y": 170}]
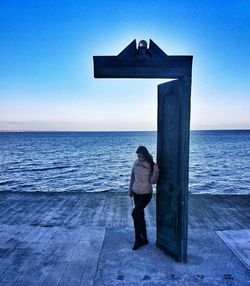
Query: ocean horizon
[
  {"x": 89, "y": 131},
  {"x": 98, "y": 161}
]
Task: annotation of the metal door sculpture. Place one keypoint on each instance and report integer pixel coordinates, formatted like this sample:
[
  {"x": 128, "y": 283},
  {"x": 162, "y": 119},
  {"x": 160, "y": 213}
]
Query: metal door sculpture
[{"x": 173, "y": 128}]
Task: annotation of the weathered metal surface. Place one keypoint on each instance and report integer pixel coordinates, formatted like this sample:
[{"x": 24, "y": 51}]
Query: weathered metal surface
[
  {"x": 154, "y": 63},
  {"x": 172, "y": 157},
  {"x": 173, "y": 132}
]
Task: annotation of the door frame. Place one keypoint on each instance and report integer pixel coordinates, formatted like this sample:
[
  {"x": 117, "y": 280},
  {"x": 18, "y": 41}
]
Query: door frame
[{"x": 151, "y": 62}]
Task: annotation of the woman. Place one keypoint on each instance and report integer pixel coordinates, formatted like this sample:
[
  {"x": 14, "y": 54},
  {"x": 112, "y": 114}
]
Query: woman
[{"x": 144, "y": 173}]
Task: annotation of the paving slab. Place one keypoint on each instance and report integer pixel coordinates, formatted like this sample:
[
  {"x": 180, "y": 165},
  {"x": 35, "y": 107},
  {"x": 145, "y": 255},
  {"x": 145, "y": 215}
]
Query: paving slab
[
  {"x": 210, "y": 262},
  {"x": 219, "y": 212},
  {"x": 239, "y": 242},
  {"x": 49, "y": 256},
  {"x": 58, "y": 239}
]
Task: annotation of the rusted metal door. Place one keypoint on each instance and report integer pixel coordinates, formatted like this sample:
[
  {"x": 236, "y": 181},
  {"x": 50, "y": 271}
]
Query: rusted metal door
[{"x": 172, "y": 157}]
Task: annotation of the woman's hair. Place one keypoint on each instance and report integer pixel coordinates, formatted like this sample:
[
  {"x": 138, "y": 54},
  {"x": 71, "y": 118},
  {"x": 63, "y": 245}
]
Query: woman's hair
[{"x": 148, "y": 157}]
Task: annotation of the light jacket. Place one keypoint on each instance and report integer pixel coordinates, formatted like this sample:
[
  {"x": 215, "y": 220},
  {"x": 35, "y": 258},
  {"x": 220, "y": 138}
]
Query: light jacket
[{"x": 142, "y": 177}]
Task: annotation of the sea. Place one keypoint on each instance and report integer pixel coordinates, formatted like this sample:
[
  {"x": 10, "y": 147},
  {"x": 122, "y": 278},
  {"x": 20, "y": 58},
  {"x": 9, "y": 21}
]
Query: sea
[{"x": 102, "y": 161}]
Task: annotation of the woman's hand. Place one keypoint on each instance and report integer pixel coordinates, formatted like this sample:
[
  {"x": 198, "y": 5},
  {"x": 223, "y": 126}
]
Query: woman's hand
[
  {"x": 155, "y": 175},
  {"x": 130, "y": 194},
  {"x": 156, "y": 168}
]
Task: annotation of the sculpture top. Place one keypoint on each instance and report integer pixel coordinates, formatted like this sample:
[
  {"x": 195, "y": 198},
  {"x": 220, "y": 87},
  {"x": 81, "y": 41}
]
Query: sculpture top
[
  {"x": 142, "y": 60},
  {"x": 142, "y": 52},
  {"x": 142, "y": 44}
]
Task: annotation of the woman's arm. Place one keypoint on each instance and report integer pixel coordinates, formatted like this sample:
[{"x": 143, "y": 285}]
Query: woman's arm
[
  {"x": 155, "y": 174},
  {"x": 132, "y": 178}
]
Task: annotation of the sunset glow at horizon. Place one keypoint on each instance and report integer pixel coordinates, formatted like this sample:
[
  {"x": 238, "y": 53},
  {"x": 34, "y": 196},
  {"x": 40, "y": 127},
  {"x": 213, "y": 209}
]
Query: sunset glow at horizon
[{"x": 47, "y": 48}]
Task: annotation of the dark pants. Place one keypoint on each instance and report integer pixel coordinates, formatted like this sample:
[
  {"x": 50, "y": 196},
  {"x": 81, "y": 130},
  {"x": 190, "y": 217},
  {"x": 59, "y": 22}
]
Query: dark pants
[{"x": 141, "y": 202}]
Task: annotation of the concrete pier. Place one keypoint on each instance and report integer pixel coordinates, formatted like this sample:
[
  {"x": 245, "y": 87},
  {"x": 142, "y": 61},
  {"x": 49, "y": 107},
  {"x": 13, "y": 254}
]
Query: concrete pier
[{"x": 86, "y": 239}]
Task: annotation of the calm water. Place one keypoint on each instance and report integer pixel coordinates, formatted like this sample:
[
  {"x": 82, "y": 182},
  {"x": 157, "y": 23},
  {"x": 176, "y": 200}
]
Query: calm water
[{"x": 102, "y": 161}]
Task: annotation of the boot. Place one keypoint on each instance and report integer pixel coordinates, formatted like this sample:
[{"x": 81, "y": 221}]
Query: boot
[
  {"x": 144, "y": 241},
  {"x": 137, "y": 244}
]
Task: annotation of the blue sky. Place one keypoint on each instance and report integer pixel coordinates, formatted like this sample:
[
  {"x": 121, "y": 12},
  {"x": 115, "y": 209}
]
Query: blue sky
[{"x": 46, "y": 62}]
